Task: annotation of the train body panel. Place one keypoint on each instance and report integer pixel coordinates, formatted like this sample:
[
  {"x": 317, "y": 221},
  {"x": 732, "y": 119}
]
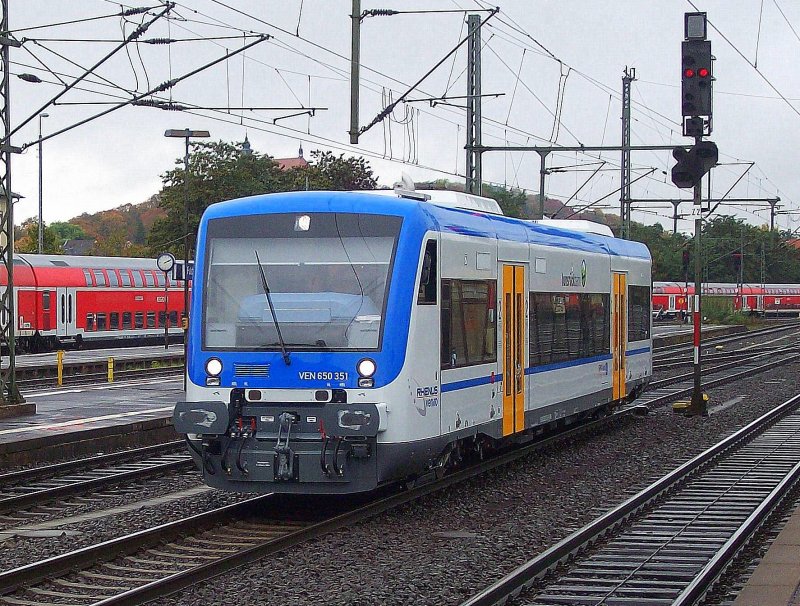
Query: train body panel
[{"x": 339, "y": 341}]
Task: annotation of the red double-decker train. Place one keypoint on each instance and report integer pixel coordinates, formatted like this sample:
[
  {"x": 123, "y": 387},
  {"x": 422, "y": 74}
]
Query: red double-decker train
[
  {"x": 61, "y": 299},
  {"x": 672, "y": 299}
]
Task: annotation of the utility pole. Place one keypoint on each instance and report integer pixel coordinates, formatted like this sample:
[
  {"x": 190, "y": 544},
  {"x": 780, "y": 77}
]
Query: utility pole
[
  {"x": 625, "y": 164},
  {"x": 474, "y": 168},
  {"x": 11, "y": 401},
  {"x": 355, "y": 64}
]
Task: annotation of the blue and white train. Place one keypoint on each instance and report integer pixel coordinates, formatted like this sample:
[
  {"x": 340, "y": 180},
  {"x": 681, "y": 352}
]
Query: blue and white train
[{"x": 339, "y": 341}]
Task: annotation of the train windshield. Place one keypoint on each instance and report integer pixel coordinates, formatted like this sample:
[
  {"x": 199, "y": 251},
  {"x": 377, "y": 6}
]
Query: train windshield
[{"x": 327, "y": 273}]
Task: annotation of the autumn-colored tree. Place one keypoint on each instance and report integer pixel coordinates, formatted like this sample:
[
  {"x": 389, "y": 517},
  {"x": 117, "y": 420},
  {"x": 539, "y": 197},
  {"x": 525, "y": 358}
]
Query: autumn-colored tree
[{"x": 28, "y": 238}]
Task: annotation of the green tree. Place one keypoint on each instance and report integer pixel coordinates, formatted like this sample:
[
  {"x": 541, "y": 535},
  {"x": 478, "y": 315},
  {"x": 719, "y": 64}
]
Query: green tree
[
  {"x": 67, "y": 231},
  {"x": 666, "y": 249},
  {"x": 28, "y": 238},
  {"x": 511, "y": 201}
]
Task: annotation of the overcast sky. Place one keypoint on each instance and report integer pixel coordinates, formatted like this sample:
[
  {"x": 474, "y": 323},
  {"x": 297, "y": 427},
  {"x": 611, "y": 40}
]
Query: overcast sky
[{"x": 531, "y": 51}]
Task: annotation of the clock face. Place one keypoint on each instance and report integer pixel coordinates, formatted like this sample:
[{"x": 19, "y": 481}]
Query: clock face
[{"x": 165, "y": 261}]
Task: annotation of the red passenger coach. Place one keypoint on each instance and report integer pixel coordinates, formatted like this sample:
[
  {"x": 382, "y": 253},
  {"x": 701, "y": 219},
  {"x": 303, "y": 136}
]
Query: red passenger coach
[
  {"x": 69, "y": 299},
  {"x": 671, "y": 299}
]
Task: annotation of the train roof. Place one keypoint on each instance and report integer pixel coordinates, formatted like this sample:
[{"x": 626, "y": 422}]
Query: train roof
[
  {"x": 429, "y": 216},
  {"x": 81, "y": 262}
]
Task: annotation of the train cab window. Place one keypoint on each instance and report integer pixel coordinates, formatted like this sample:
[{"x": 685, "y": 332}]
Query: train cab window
[
  {"x": 137, "y": 279},
  {"x": 88, "y": 276},
  {"x": 113, "y": 280},
  {"x": 426, "y": 292},
  {"x": 148, "y": 277},
  {"x": 139, "y": 320},
  {"x": 162, "y": 319},
  {"x": 126, "y": 277},
  {"x": 151, "y": 319},
  {"x": 126, "y": 320},
  {"x": 469, "y": 324},
  {"x": 114, "y": 320},
  {"x": 89, "y": 321},
  {"x": 99, "y": 277},
  {"x": 101, "y": 321},
  {"x": 173, "y": 318},
  {"x": 46, "y": 300}
]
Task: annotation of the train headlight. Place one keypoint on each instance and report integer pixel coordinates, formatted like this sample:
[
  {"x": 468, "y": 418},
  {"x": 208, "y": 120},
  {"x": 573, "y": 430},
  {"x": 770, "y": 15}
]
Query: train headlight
[
  {"x": 213, "y": 367},
  {"x": 366, "y": 368}
]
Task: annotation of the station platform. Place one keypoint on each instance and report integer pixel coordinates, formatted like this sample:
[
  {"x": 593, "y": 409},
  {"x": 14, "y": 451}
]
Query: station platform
[{"x": 776, "y": 580}]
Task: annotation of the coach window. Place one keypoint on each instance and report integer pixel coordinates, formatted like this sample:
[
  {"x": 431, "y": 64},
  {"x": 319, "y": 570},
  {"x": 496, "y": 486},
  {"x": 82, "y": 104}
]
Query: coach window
[
  {"x": 638, "y": 313},
  {"x": 469, "y": 327},
  {"x": 137, "y": 279},
  {"x": 114, "y": 320},
  {"x": 162, "y": 319},
  {"x": 126, "y": 320},
  {"x": 426, "y": 293},
  {"x": 151, "y": 319},
  {"x": 149, "y": 280},
  {"x": 160, "y": 279},
  {"x": 173, "y": 318},
  {"x": 126, "y": 277},
  {"x": 101, "y": 321},
  {"x": 88, "y": 277},
  {"x": 113, "y": 280},
  {"x": 139, "y": 317},
  {"x": 89, "y": 321},
  {"x": 99, "y": 277},
  {"x": 46, "y": 300}
]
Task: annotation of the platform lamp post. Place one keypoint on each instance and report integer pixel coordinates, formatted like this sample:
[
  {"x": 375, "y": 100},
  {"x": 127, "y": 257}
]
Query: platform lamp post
[
  {"x": 41, "y": 227},
  {"x": 186, "y": 134}
]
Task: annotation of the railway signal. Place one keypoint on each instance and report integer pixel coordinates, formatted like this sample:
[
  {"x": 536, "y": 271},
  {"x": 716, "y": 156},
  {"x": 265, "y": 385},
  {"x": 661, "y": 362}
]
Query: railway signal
[
  {"x": 696, "y": 78},
  {"x": 693, "y": 163}
]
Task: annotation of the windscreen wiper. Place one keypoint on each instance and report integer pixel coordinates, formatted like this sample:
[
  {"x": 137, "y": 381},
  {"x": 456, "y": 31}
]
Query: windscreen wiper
[{"x": 272, "y": 309}]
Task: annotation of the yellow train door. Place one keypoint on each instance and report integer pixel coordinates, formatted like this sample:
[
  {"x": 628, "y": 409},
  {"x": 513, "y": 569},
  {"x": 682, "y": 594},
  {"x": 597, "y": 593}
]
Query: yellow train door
[
  {"x": 619, "y": 325},
  {"x": 513, "y": 307}
]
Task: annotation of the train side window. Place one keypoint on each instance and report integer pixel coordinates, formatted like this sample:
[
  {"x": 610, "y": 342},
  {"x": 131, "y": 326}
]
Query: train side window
[
  {"x": 149, "y": 280},
  {"x": 46, "y": 300},
  {"x": 468, "y": 323},
  {"x": 99, "y": 277},
  {"x": 173, "y": 318},
  {"x": 126, "y": 320},
  {"x": 126, "y": 277},
  {"x": 162, "y": 319},
  {"x": 139, "y": 320},
  {"x": 638, "y": 313},
  {"x": 63, "y": 309},
  {"x": 161, "y": 279},
  {"x": 426, "y": 293},
  {"x": 113, "y": 280},
  {"x": 114, "y": 320},
  {"x": 151, "y": 319},
  {"x": 88, "y": 276},
  {"x": 101, "y": 321},
  {"x": 89, "y": 321},
  {"x": 137, "y": 279}
]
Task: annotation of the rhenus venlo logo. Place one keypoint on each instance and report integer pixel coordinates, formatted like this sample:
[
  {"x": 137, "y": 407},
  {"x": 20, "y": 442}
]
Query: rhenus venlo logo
[{"x": 571, "y": 279}]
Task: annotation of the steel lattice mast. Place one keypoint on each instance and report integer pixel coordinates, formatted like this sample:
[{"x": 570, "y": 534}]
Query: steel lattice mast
[{"x": 9, "y": 393}]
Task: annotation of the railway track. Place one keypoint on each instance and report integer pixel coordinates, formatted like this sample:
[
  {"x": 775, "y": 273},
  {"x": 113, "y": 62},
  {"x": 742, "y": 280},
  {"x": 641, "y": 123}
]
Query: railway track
[
  {"x": 668, "y": 390},
  {"x": 669, "y": 543},
  {"x": 39, "y": 486},
  {"x": 670, "y": 351},
  {"x": 154, "y": 563}
]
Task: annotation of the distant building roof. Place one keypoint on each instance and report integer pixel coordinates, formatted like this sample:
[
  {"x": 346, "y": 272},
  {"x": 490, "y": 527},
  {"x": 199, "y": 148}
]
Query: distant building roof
[
  {"x": 78, "y": 247},
  {"x": 288, "y": 163},
  {"x": 795, "y": 242}
]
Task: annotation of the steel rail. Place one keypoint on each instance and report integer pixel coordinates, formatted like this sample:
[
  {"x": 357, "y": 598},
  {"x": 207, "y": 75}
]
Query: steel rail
[
  {"x": 684, "y": 347},
  {"x": 35, "y": 473},
  {"x": 524, "y": 576},
  {"x": 23, "y": 497}
]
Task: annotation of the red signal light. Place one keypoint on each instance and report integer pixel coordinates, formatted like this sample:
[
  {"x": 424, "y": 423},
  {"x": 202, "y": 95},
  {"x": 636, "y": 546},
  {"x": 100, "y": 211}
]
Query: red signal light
[
  {"x": 688, "y": 73},
  {"x": 702, "y": 72}
]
